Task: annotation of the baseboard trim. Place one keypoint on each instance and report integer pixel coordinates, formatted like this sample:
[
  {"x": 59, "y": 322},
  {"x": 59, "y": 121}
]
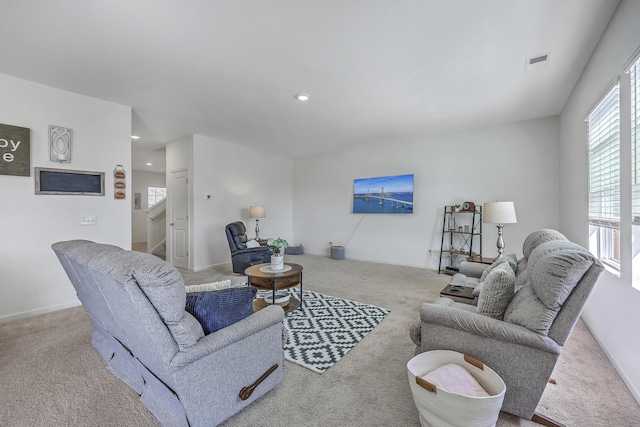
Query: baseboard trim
[
  {"x": 363, "y": 259},
  {"x": 623, "y": 375},
  {"x": 206, "y": 267},
  {"x": 37, "y": 311}
]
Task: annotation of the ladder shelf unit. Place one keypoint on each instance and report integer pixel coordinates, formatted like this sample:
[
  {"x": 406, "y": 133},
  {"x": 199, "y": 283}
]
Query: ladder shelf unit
[{"x": 461, "y": 236}]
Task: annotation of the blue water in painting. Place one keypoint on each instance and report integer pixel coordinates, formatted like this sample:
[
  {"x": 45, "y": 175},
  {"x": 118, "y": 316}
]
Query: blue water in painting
[{"x": 372, "y": 204}]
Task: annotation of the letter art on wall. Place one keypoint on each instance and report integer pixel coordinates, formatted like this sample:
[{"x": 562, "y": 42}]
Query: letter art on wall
[{"x": 15, "y": 150}]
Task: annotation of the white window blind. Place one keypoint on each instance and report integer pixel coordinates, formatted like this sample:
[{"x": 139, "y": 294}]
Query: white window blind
[
  {"x": 604, "y": 161},
  {"x": 634, "y": 74}
]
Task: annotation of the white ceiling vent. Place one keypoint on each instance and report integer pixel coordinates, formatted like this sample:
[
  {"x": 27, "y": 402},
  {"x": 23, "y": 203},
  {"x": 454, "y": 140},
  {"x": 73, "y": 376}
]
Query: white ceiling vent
[{"x": 537, "y": 62}]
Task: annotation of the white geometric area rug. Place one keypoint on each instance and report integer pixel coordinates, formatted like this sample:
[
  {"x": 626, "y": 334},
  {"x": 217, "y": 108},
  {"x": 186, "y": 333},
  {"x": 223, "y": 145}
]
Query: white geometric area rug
[{"x": 327, "y": 328}]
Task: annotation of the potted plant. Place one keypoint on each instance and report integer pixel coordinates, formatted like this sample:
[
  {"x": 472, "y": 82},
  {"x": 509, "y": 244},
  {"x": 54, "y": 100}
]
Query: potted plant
[{"x": 277, "y": 246}]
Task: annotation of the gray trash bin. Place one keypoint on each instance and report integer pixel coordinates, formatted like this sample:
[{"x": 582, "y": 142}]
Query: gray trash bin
[{"x": 337, "y": 252}]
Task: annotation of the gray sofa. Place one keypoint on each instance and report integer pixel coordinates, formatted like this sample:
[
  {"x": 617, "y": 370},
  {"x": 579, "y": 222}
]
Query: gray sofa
[
  {"x": 520, "y": 324},
  {"x": 136, "y": 303}
]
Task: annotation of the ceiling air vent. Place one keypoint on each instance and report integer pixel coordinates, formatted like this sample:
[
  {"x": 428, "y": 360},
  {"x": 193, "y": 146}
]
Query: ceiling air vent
[{"x": 537, "y": 62}]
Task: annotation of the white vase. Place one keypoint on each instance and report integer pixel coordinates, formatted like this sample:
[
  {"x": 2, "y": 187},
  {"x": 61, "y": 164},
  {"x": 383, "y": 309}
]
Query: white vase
[{"x": 277, "y": 262}]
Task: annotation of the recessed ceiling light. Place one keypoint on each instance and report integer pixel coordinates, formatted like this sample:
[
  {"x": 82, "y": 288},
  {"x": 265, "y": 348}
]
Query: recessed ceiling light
[
  {"x": 135, "y": 137},
  {"x": 149, "y": 164},
  {"x": 302, "y": 97}
]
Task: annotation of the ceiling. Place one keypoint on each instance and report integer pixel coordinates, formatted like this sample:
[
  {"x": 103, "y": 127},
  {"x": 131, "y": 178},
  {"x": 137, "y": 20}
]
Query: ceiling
[{"x": 376, "y": 70}]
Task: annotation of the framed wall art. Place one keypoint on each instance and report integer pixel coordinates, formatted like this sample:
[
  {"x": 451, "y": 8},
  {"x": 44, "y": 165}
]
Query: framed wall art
[
  {"x": 60, "y": 144},
  {"x": 70, "y": 182},
  {"x": 387, "y": 194},
  {"x": 15, "y": 150}
]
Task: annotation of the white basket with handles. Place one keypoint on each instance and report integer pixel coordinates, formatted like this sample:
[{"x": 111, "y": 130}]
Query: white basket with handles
[{"x": 439, "y": 408}]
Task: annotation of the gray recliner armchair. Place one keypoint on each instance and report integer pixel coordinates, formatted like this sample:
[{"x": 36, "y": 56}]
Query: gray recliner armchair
[
  {"x": 523, "y": 340},
  {"x": 241, "y": 256},
  {"x": 136, "y": 304}
]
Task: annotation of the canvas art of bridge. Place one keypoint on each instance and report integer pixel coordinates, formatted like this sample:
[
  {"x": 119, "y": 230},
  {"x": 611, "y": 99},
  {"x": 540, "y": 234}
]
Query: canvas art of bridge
[{"x": 370, "y": 199}]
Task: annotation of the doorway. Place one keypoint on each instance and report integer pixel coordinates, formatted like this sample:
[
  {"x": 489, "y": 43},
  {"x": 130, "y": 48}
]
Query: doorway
[{"x": 179, "y": 221}]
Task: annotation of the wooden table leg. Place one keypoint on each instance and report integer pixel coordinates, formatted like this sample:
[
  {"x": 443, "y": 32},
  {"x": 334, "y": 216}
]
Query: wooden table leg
[
  {"x": 273, "y": 288},
  {"x": 301, "y": 300}
]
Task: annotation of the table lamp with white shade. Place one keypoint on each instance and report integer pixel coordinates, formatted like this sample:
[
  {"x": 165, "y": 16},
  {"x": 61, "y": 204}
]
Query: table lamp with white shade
[
  {"x": 499, "y": 213},
  {"x": 256, "y": 212}
]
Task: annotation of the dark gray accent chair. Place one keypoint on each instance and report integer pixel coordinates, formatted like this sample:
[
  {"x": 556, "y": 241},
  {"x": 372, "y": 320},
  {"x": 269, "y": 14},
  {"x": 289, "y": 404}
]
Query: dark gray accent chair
[
  {"x": 552, "y": 283},
  {"x": 136, "y": 304},
  {"x": 241, "y": 256}
]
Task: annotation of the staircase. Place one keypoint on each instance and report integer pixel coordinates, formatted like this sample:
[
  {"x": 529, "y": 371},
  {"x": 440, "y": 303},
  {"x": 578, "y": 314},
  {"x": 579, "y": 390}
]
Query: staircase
[{"x": 156, "y": 229}]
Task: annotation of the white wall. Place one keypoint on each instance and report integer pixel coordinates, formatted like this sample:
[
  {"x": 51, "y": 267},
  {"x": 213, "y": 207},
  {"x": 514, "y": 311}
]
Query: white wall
[
  {"x": 32, "y": 280},
  {"x": 517, "y": 162},
  {"x": 613, "y": 311},
  {"x": 142, "y": 180},
  {"x": 235, "y": 177}
]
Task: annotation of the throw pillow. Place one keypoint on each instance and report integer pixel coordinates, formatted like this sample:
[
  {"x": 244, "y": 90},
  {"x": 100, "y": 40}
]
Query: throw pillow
[
  {"x": 218, "y": 309},
  {"x": 214, "y": 286},
  {"x": 476, "y": 291},
  {"x": 510, "y": 259},
  {"x": 497, "y": 291},
  {"x": 252, "y": 244}
]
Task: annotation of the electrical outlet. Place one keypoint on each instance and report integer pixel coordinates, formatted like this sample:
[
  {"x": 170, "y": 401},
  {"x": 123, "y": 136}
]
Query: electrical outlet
[{"x": 88, "y": 220}]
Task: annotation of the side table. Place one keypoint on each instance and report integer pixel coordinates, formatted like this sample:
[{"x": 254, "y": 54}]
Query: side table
[
  {"x": 261, "y": 277},
  {"x": 457, "y": 293},
  {"x": 481, "y": 260}
]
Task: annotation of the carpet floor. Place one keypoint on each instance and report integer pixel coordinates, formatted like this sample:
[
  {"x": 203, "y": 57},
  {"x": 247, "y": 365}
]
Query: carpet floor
[{"x": 50, "y": 375}]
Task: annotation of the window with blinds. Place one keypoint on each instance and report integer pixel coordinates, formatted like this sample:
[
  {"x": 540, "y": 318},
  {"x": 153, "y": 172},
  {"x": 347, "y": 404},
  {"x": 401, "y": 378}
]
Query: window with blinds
[
  {"x": 604, "y": 161},
  {"x": 634, "y": 74}
]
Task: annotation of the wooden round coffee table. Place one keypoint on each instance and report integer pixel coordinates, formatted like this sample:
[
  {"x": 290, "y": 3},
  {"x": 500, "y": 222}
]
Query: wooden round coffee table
[{"x": 262, "y": 277}]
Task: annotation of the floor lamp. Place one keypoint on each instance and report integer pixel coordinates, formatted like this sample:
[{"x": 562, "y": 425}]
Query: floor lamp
[
  {"x": 499, "y": 213},
  {"x": 256, "y": 212}
]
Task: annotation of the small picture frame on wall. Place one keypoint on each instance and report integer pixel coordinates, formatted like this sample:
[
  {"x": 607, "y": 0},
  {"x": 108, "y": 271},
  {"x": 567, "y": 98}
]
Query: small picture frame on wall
[
  {"x": 137, "y": 201},
  {"x": 60, "y": 144}
]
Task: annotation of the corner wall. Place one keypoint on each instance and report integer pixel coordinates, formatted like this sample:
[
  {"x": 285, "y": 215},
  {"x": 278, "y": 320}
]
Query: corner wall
[
  {"x": 612, "y": 313},
  {"x": 236, "y": 177},
  {"x": 32, "y": 280},
  {"x": 517, "y": 162}
]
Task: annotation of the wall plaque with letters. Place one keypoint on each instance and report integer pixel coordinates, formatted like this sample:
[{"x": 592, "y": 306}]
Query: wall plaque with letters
[{"x": 15, "y": 150}]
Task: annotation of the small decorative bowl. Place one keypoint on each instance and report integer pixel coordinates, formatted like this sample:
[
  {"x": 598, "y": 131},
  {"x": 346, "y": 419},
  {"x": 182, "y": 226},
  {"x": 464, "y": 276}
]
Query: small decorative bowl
[{"x": 282, "y": 298}]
